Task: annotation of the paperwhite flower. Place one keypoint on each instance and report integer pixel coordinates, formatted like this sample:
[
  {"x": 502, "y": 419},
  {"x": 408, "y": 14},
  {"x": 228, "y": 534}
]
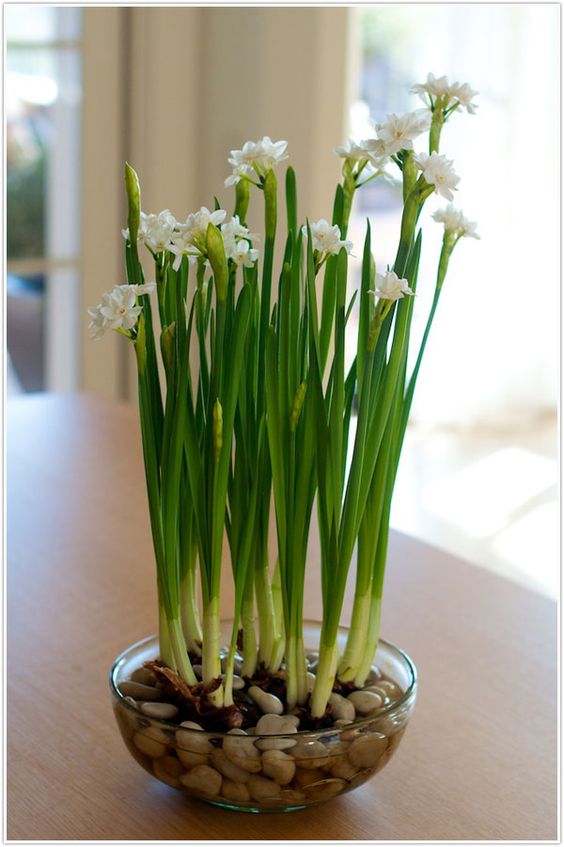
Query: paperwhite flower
[
  {"x": 454, "y": 221},
  {"x": 233, "y": 230},
  {"x": 243, "y": 254},
  {"x": 98, "y": 325},
  {"x": 238, "y": 173},
  {"x": 183, "y": 245},
  {"x": 190, "y": 238},
  {"x": 326, "y": 238},
  {"x": 259, "y": 156},
  {"x": 398, "y": 131},
  {"x": 456, "y": 92},
  {"x": 118, "y": 309},
  {"x": 155, "y": 231},
  {"x": 390, "y": 287},
  {"x": 372, "y": 149},
  {"x": 438, "y": 171}
]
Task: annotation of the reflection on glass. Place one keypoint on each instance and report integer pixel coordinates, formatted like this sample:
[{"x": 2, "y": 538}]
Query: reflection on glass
[{"x": 42, "y": 141}]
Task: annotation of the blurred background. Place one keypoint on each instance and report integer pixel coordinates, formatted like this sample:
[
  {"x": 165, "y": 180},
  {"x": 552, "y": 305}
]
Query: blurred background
[{"x": 172, "y": 90}]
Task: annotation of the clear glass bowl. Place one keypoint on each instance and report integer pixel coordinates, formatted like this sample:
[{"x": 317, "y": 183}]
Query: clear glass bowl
[{"x": 268, "y": 773}]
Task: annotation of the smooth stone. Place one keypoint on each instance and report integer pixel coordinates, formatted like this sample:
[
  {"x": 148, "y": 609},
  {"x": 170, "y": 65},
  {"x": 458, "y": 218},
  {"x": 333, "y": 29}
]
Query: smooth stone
[
  {"x": 279, "y": 766},
  {"x": 310, "y": 755},
  {"x": 374, "y": 673},
  {"x": 341, "y": 708},
  {"x": 190, "y": 759},
  {"x": 290, "y": 795},
  {"x": 168, "y": 769},
  {"x": 391, "y": 689},
  {"x": 236, "y": 792},
  {"x": 161, "y": 711},
  {"x": 189, "y": 738},
  {"x": 240, "y": 749},
  {"x": 340, "y": 723},
  {"x": 310, "y": 681},
  {"x": 365, "y": 702},
  {"x": 306, "y": 776},
  {"x": 140, "y": 691},
  {"x": 276, "y": 725},
  {"x": 262, "y": 789},
  {"x": 343, "y": 768},
  {"x": 324, "y": 789},
  {"x": 197, "y": 670},
  {"x": 226, "y": 767},
  {"x": 238, "y": 682},
  {"x": 203, "y": 780},
  {"x": 151, "y": 741},
  {"x": 145, "y": 676},
  {"x": 267, "y": 703},
  {"x": 366, "y": 750}
]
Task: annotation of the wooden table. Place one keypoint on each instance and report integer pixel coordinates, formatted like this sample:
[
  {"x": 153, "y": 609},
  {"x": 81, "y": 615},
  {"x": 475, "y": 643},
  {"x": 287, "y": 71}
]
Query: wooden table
[{"x": 478, "y": 760}]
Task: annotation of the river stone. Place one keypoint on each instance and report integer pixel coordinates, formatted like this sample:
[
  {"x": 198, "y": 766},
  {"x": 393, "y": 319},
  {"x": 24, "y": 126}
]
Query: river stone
[
  {"x": 168, "y": 769},
  {"x": 226, "y": 767},
  {"x": 305, "y": 776},
  {"x": 365, "y": 751},
  {"x": 151, "y": 741},
  {"x": 140, "y": 691},
  {"x": 241, "y": 750},
  {"x": 267, "y": 703},
  {"x": 202, "y": 780},
  {"x": 262, "y": 789},
  {"x": 236, "y": 792},
  {"x": 279, "y": 766},
  {"x": 144, "y": 676},
  {"x": 324, "y": 789},
  {"x": 276, "y": 725},
  {"x": 365, "y": 702},
  {"x": 161, "y": 711},
  {"x": 190, "y": 738},
  {"x": 310, "y": 755},
  {"x": 341, "y": 708}
]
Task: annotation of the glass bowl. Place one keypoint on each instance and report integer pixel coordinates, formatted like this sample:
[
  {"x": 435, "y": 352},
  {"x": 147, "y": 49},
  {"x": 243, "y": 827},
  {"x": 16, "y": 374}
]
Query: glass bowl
[{"x": 266, "y": 773}]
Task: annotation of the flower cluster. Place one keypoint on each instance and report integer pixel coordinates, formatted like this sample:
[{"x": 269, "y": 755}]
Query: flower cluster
[
  {"x": 439, "y": 172},
  {"x": 256, "y": 158},
  {"x": 326, "y": 239},
  {"x": 155, "y": 231},
  {"x": 118, "y": 310},
  {"x": 390, "y": 287},
  {"x": 455, "y": 222},
  {"x": 399, "y": 131},
  {"x": 236, "y": 241},
  {"x": 189, "y": 239},
  {"x": 446, "y": 95}
]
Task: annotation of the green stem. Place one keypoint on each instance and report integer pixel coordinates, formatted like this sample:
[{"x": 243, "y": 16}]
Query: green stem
[
  {"x": 182, "y": 661},
  {"x": 325, "y": 676},
  {"x": 211, "y": 644}
]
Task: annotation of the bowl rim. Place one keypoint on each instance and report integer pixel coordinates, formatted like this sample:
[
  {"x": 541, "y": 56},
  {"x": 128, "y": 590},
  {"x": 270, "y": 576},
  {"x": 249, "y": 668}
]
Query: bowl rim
[{"x": 408, "y": 695}]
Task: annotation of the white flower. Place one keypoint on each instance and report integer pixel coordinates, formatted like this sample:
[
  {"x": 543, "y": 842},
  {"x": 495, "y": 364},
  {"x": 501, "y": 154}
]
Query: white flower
[
  {"x": 243, "y": 254},
  {"x": 239, "y": 172},
  {"x": 454, "y": 93},
  {"x": 232, "y": 230},
  {"x": 372, "y": 149},
  {"x": 326, "y": 238},
  {"x": 463, "y": 94},
  {"x": 398, "y": 131},
  {"x": 454, "y": 221},
  {"x": 260, "y": 156},
  {"x": 190, "y": 239},
  {"x": 438, "y": 171},
  {"x": 390, "y": 287},
  {"x": 155, "y": 231},
  {"x": 118, "y": 309},
  {"x": 97, "y": 326}
]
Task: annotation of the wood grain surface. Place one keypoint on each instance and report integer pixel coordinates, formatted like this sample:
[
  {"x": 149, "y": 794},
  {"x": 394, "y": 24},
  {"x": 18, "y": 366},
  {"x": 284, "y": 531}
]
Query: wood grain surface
[{"x": 479, "y": 759}]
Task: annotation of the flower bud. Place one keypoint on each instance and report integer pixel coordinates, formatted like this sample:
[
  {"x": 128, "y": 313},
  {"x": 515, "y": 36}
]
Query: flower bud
[
  {"x": 216, "y": 254},
  {"x": 217, "y": 429},
  {"x": 167, "y": 345},
  {"x": 133, "y": 202},
  {"x": 242, "y": 196},
  {"x": 299, "y": 397},
  {"x": 270, "y": 205}
]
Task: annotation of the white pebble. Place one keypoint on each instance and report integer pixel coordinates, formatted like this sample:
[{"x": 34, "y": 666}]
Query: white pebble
[
  {"x": 310, "y": 681},
  {"x": 341, "y": 708},
  {"x": 235, "y": 791},
  {"x": 226, "y": 767},
  {"x": 161, "y": 711},
  {"x": 267, "y": 703},
  {"x": 140, "y": 691},
  {"x": 276, "y": 725},
  {"x": 279, "y": 766},
  {"x": 365, "y": 702},
  {"x": 262, "y": 788},
  {"x": 310, "y": 755},
  {"x": 203, "y": 780},
  {"x": 366, "y": 750},
  {"x": 151, "y": 741},
  {"x": 190, "y": 738},
  {"x": 241, "y": 750}
]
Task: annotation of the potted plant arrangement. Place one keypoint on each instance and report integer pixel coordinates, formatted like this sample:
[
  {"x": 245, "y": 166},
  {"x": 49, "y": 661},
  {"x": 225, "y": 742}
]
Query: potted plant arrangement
[{"x": 247, "y": 409}]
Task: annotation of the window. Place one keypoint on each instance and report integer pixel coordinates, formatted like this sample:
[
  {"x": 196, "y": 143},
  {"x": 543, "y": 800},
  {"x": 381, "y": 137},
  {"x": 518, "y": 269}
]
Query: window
[{"x": 43, "y": 111}]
